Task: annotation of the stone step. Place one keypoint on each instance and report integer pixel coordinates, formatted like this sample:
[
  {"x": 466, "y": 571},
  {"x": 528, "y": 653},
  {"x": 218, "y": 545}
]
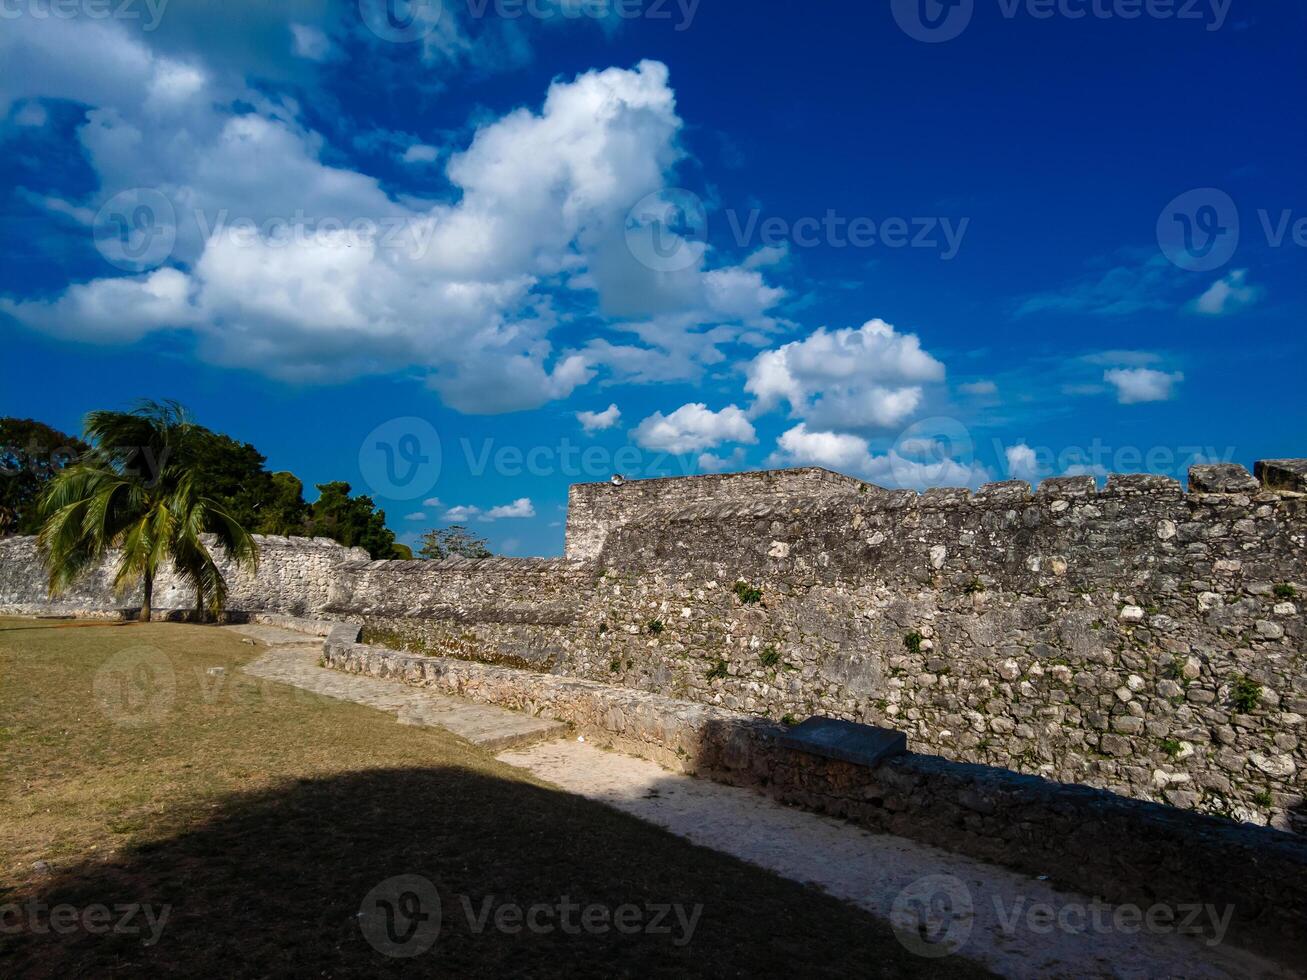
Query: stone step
[{"x": 495, "y": 730}]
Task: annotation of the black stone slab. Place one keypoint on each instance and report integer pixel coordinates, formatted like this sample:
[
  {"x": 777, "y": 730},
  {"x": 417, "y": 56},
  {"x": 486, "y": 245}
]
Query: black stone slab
[{"x": 864, "y": 745}]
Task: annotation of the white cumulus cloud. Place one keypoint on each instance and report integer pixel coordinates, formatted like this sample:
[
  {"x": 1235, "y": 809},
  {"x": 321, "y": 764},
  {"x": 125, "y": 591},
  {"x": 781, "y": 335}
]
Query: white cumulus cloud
[
  {"x": 865, "y": 378},
  {"x": 520, "y": 508},
  {"x": 693, "y": 428},
  {"x": 598, "y": 421},
  {"x": 1228, "y": 295},
  {"x": 1134, "y": 385}
]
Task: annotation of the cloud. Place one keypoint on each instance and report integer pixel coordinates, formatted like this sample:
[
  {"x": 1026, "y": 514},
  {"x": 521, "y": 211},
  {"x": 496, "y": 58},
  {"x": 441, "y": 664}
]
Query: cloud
[
  {"x": 1021, "y": 462},
  {"x": 712, "y": 463},
  {"x": 1134, "y": 385},
  {"x": 111, "y": 310},
  {"x": 867, "y": 378},
  {"x": 598, "y": 421},
  {"x": 463, "y": 292},
  {"x": 1133, "y": 287},
  {"x": 431, "y": 502},
  {"x": 308, "y": 41},
  {"x": 421, "y": 153},
  {"x": 518, "y": 509},
  {"x": 852, "y": 454},
  {"x": 1228, "y": 295},
  {"x": 692, "y": 428},
  {"x": 978, "y": 388},
  {"x": 416, "y": 516}
]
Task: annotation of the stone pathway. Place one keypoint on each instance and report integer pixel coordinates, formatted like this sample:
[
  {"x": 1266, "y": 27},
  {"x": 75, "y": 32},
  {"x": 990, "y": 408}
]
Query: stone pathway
[
  {"x": 986, "y": 913},
  {"x": 293, "y": 659}
]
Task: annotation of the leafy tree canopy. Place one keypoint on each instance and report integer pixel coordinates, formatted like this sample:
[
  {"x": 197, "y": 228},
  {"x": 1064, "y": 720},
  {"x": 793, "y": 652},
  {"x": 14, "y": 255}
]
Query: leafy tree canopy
[
  {"x": 353, "y": 521},
  {"x": 455, "y": 540},
  {"x": 231, "y": 473},
  {"x": 31, "y": 453}
]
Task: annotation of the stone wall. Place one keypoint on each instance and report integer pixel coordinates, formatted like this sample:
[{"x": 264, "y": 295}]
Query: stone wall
[
  {"x": 1116, "y": 849},
  {"x": 1136, "y": 638},
  {"x": 294, "y": 577},
  {"x": 595, "y": 509}
]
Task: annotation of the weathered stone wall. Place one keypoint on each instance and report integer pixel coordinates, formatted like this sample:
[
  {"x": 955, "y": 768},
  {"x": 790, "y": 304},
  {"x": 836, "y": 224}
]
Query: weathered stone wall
[
  {"x": 595, "y": 509},
  {"x": 1138, "y": 638},
  {"x": 294, "y": 577},
  {"x": 1117, "y": 849},
  {"x": 520, "y": 611}
]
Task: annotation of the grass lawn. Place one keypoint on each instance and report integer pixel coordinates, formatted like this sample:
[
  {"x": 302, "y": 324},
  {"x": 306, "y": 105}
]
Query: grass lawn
[{"x": 260, "y": 817}]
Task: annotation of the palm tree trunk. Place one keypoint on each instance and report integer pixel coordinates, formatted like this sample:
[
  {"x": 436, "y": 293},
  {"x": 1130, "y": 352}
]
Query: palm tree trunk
[
  {"x": 199, "y": 603},
  {"x": 148, "y": 597}
]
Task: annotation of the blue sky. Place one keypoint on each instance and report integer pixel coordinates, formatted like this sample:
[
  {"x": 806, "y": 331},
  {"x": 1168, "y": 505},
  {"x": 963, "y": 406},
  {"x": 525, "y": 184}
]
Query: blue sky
[{"x": 426, "y": 253}]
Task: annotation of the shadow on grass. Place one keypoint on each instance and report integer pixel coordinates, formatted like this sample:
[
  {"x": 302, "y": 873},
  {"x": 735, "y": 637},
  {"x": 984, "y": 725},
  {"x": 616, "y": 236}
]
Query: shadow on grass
[{"x": 273, "y": 883}]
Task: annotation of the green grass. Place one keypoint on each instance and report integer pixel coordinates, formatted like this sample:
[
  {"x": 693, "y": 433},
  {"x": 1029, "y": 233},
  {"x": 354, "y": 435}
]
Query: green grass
[
  {"x": 747, "y": 594},
  {"x": 1245, "y": 694},
  {"x": 263, "y": 815}
]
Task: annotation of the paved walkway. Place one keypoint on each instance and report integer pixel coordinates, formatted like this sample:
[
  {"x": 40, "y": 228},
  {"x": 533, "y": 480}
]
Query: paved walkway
[
  {"x": 989, "y": 914},
  {"x": 293, "y": 659}
]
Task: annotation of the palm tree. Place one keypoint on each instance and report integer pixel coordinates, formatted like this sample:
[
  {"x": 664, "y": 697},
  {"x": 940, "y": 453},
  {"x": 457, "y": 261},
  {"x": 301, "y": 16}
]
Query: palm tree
[{"x": 135, "y": 492}]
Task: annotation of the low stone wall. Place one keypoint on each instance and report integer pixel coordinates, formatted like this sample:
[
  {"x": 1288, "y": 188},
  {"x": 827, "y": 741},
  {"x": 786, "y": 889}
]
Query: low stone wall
[
  {"x": 1107, "y": 846},
  {"x": 294, "y": 577}
]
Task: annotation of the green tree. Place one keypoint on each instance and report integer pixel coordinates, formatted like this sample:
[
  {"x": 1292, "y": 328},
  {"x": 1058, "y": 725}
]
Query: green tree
[
  {"x": 456, "y": 539},
  {"x": 233, "y": 473},
  {"x": 136, "y": 492},
  {"x": 353, "y": 521},
  {"x": 31, "y": 454}
]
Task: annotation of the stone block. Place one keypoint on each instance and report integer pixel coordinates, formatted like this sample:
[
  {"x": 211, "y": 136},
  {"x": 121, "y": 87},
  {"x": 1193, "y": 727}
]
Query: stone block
[
  {"x": 1282, "y": 474},
  {"x": 1221, "y": 478},
  {"x": 846, "y": 741}
]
